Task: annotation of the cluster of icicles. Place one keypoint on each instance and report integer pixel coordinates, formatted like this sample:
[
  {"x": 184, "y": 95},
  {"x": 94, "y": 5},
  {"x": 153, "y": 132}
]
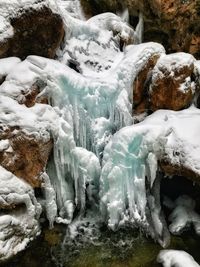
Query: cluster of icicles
[{"x": 90, "y": 165}]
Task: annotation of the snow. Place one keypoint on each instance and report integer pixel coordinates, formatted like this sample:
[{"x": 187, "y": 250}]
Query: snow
[
  {"x": 6, "y": 30},
  {"x": 176, "y": 258},
  {"x": 18, "y": 222},
  {"x": 8, "y": 65},
  {"x": 184, "y": 215},
  {"x": 94, "y": 45}
]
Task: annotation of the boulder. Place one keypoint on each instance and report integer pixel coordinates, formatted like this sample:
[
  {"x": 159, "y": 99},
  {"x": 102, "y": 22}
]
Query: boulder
[
  {"x": 23, "y": 155},
  {"x": 35, "y": 32},
  {"x": 141, "y": 84},
  {"x": 172, "y": 86}
]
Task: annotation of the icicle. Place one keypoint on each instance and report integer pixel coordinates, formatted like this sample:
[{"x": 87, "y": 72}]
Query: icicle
[
  {"x": 139, "y": 29},
  {"x": 125, "y": 15},
  {"x": 50, "y": 199}
]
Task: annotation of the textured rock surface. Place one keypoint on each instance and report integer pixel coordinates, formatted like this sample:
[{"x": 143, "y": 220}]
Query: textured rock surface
[
  {"x": 24, "y": 156},
  {"x": 172, "y": 86},
  {"x": 173, "y": 23},
  {"x": 141, "y": 86},
  {"x": 171, "y": 169},
  {"x": 36, "y": 32}
]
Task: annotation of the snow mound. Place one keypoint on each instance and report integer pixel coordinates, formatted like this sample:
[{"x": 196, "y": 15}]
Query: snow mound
[
  {"x": 176, "y": 258},
  {"x": 18, "y": 225}
]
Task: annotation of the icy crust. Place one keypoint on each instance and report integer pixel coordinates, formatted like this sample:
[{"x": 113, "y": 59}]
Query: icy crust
[
  {"x": 176, "y": 258},
  {"x": 132, "y": 155},
  {"x": 18, "y": 225}
]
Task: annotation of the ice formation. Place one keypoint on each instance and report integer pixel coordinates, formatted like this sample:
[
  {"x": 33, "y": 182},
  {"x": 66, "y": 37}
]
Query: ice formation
[
  {"x": 99, "y": 157},
  {"x": 183, "y": 215},
  {"x": 176, "y": 258}
]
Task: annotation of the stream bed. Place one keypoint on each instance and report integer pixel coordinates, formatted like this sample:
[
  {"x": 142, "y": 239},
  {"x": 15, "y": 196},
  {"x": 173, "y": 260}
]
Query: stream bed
[{"x": 110, "y": 249}]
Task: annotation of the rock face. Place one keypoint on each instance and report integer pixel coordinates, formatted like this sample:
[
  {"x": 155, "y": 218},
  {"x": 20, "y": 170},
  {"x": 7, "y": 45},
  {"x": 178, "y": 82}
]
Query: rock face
[
  {"x": 141, "y": 86},
  {"x": 172, "y": 86},
  {"x": 179, "y": 169},
  {"x": 36, "y": 32},
  {"x": 173, "y": 23},
  {"x": 165, "y": 82},
  {"x": 24, "y": 155}
]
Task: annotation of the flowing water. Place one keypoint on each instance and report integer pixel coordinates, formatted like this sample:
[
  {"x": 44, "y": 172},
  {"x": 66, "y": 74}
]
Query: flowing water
[{"x": 126, "y": 248}]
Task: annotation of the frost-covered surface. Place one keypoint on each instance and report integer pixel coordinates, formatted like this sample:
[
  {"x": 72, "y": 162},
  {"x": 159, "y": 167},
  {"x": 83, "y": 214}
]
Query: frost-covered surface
[
  {"x": 176, "y": 258},
  {"x": 183, "y": 215},
  {"x": 19, "y": 225}
]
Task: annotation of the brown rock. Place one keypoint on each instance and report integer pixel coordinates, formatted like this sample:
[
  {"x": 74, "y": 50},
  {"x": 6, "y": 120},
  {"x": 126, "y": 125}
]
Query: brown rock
[
  {"x": 180, "y": 170},
  {"x": 36, "y": 32},
  {"x": 195, "y": 46},
  {"x": 172, "y": 86},
  {"x": 26, "y": 156},
  {"x": 140, "y": 86},
  {"x": 31, "y": 96}
]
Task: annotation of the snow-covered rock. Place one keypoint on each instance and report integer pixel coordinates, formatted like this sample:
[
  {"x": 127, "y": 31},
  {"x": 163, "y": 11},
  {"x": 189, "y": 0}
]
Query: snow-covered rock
[
  {"x": 176, "y": 258},
  {"x": 30, "y": 27},
  {"x": 19, "y": 224},
  {"x": 172, "y": 86}
]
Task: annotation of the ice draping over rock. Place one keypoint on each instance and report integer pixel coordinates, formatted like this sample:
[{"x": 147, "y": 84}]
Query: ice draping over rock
[
  {"x": 176, "y": 258},
  {"x": 129, "y": 180},
  {"x": 19, "y": 216},
  {"x": 85, "y": 112}
]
